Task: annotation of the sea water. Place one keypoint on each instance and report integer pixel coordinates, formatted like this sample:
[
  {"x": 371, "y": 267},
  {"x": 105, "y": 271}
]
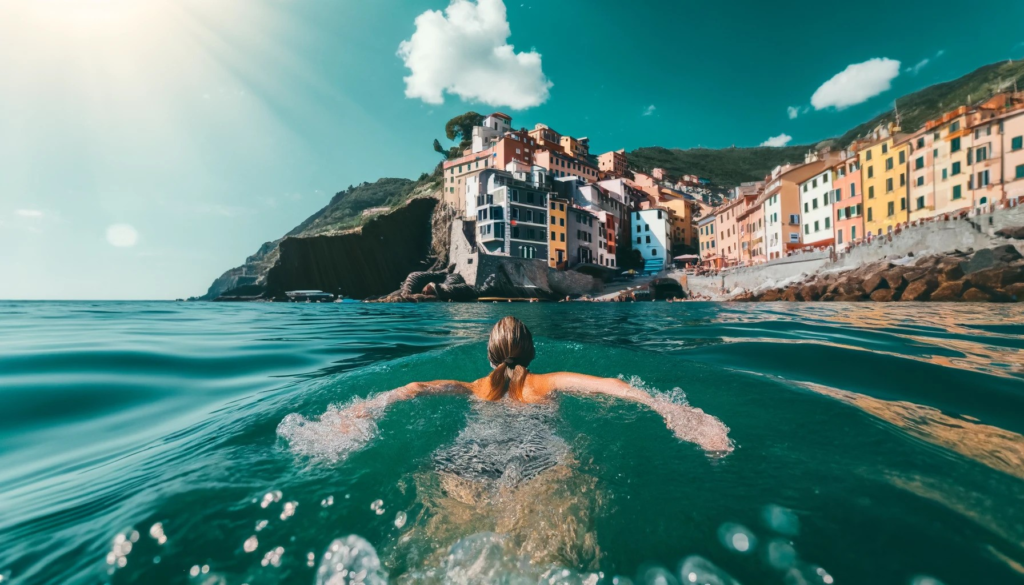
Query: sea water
[{"x": 199, "y": 443}]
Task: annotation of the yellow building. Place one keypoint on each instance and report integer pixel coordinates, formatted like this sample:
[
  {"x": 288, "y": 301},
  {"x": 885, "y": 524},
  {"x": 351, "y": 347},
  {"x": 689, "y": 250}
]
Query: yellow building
[
  {"x": 557, "y": 248},
  {"x": 883, "y": 166},
  {"x": 683, "y": 232}
]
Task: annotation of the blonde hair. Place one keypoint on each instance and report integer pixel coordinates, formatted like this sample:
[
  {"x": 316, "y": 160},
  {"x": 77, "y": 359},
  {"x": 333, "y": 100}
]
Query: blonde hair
[{"x": 510, "y": 351}]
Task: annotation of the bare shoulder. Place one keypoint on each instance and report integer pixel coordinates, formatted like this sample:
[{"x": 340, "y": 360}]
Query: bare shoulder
[{"x": 565, "y": 381}]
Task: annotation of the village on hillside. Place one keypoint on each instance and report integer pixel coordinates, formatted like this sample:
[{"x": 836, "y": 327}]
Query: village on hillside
[{"x": 540, "y": 194}]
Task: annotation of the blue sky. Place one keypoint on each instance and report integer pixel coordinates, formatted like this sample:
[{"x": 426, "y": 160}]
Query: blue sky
[{"x": 145, "y": 147}]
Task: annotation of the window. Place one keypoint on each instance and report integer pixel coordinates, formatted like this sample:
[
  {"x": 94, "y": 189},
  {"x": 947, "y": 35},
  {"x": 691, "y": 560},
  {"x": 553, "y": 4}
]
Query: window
[
  {"x": 870, "y": 214},
  {"x": 957, "y": 191},
  {"x": 654, "y": 251},
  {"x": 920, "y": 142},
  {"x": 903, "y": 157},
  {"x": 871, "y": 171},
  {"x": 794, "y": 238},
  {"x": 648, "y": 239},
  {"x": 885, "y": 148},
  {"x": 954, "y": 145},
  {"x": 814, "y": 204},
  {"x": 1017, "y": 143},
  {"x": 794, "y": 219},
  {"x": 807, "y": 229},
  {"x": 805, "y": 187},
  {"x": 888, "y": 185},
  {"x": 816, "y": 228},
  {"x": 638, "y": 239},
  {"x": 891, "y": 208},
  {"x": 868, "y": 157},
  {"x": 903, "y": 204},
  {"x": 839, "y": 194},
  {"x": 853, "y": 190},
  {"x": 824, "y": 178},
  {"x": 853, "y": 232},
  {"x": 954, "y": 126},
  {"x": 983, "y": 179},
  {"x": 919, "y": 163},
  {"x": 920, "y": 202},
  {"x": 828, "y": 223},
  {"x": 945, "y": 174},
  {"x": 839, "y": 237},
  {"x": 956, "y": 168},
  {"x": 920, "y": 181},
  {"x": 806, "y": 207},
  {"x": 1020, "y": 172},
  {"x": 981, "y": 153},
  {"x": 888, "y": 164},
  {"x": 871, "y": 192},
  {"x": 552, "y": 236}
]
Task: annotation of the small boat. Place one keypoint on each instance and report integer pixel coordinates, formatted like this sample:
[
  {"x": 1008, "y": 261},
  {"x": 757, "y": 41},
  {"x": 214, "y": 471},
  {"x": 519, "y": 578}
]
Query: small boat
[{"x": 309, "y": 296}]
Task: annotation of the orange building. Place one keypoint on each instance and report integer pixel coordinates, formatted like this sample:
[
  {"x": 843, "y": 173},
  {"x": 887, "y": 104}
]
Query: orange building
[
  {"x": 557, "y": 247},
  {"x": 613, "y": 163},
  {"x": 563, "y": 165}
]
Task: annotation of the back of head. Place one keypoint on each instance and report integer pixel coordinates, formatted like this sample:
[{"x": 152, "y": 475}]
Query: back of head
[{"x": 510, "y": 351}]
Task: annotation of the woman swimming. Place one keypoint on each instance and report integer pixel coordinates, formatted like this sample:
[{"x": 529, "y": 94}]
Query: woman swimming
[{"x": 510, "y": 351}]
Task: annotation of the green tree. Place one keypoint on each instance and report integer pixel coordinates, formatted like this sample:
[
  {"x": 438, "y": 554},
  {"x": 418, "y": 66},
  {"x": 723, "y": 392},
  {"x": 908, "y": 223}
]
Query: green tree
[{"x": 461, "y": 128}]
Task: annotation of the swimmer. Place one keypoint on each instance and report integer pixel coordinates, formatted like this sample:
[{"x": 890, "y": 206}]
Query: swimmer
[{"x": 510, "y": 351}]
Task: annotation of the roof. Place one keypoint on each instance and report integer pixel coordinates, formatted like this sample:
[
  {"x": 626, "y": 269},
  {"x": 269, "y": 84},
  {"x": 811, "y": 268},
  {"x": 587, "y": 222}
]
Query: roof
[{"x": 501, "y": 115}]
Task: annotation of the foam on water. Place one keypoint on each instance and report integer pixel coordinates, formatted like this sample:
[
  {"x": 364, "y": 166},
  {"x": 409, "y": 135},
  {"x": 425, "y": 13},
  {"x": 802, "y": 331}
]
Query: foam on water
[
  {"x": 335, "y": 434},
  {"x": 686, "y": 422}
]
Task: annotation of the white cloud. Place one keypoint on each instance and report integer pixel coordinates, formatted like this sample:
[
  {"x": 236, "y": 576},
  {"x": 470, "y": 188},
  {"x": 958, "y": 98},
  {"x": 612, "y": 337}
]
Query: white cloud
[
  {"x": 793, "y": 112},
  {"x": 33, "y": 213},
  {"x": 649, "y": 111},
  {"x": 856, "y": 84},
  {"x": 914, "y": 70},
  {"x": 122, "y": 235},
  {"x": 464, "y": 52},
  {"x": 780, "y": 140}
]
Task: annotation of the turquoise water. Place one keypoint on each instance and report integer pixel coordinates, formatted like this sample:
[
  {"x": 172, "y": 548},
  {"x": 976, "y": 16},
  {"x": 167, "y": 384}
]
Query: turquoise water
[{"x": 873, "y": 444}]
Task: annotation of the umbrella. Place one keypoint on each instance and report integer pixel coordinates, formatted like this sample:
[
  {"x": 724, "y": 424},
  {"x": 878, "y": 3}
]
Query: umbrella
[{"x": 687, "y": 257}]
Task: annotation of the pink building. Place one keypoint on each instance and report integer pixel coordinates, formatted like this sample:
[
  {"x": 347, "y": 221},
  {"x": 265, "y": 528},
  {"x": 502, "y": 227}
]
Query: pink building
[
  {"x": 1012, "y": 144},
  {"x": 847, "y": 201},
  {"x": 563, "y": 165}
]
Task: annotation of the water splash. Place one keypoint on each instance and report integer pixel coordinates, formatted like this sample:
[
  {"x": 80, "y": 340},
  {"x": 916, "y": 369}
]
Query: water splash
[
  {"x": 687, "y": 423},
  {"x": 348, "y": 561},
  {"x": 737, "y": 538},
  {"x": 334, "y": 435}
]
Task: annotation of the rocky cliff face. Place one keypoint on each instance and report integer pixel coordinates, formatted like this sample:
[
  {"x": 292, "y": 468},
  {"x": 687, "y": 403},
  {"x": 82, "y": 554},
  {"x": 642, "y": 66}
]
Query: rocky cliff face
[{"x": 371, "y": 261}]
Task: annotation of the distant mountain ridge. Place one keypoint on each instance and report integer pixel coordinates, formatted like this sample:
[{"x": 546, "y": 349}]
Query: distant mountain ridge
[{"x": 729, "y": 167}]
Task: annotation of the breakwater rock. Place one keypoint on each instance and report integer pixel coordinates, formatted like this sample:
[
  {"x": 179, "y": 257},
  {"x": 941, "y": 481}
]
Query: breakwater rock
[{"x": 987, "y": 275}]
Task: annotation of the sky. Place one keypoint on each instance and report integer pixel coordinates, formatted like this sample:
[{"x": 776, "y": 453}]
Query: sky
[{"x": 146, "y": 146}]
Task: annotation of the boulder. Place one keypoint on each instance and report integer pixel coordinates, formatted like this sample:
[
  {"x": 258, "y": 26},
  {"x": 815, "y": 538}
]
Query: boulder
[
  {"x": 950, "y": 271},
  {"x": 990, "y": 258},
  {"x": 791, "y": 294},
  {"x": 850, "y": 298},
  {"x": 976, "y": 295},
  {"x": 920, "y": 289},
  {"x": 809, "y": 292},
  {"x": 1015, "y": 292},
  {"x": 771, "y": 295},
  {"x": 874, "y": 282},
  {"x": 883, "y": 295},
  {"x": 1013, "y": 233},
  {"x": 948, "y": 292},
  {"x": 999, "y": 277},
  {"x": 895, "y": 279},
  {"x": 827, "y": 297}
]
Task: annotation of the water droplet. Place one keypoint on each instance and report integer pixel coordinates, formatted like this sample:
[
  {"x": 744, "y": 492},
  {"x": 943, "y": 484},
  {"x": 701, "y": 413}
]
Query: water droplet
[
  {"x": 251, "y": 544},
  {"x": 261, "y": 525},
  {"x": 781, "y": 520},
  {"x": 780, "y": 554},
  {"x": 701, "y": 571},
  {"x": 328, "y": 501},
  {"x": 400, "y": 519},
  {"x": 194, "y": 571},
  {"x": 156, "y": 531},
  {"x": 377, "y": 506},
  {"x": 310, "y": 559},
  {"x": 737, "y": 538},
  {"x": 289, "y": 510},
  {"x": 659, "y": 576},
  {"x": 270, "y": 498}
]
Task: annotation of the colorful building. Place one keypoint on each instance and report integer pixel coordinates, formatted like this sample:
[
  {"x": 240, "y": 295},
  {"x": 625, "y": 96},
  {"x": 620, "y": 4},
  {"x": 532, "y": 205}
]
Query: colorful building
[
  {"x": 557, "y": 246},
  {"x": 613, "y": 163},
  {"x": 490, "y": 131},
  {"x": 584, "y": 228},
  {"x": 563, "y": 165},
  {"x": 847, "y": 201},
  {"x": 816, "y": 210},
  {"x": 921, "y": 169},
  {"x": 728, "y": 230},
  {"x": 650, "y": 228},
  {"x": 782, "y": 205},
  {"x": 884, "y": 178},
  {"x": 511, "y": 218},
  {"x": 709, "y": 255},
  {"x": 1011, "y": 129}
]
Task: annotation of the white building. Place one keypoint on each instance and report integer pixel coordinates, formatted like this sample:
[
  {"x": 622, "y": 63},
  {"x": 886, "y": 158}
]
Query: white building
[
  {"x": 584, "y": 229},
  {"x": 816, "y": 210},
  {"x": 650, "y": 232},
  {"x": 494, "y": 127}
]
